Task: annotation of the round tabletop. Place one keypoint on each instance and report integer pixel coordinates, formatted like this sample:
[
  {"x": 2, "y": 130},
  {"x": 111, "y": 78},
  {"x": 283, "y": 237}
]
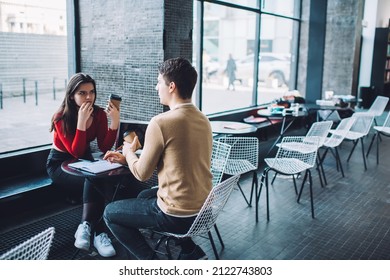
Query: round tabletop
[
  {"x": 121, "y": 171},
  {"x": 228, "y": 127}
]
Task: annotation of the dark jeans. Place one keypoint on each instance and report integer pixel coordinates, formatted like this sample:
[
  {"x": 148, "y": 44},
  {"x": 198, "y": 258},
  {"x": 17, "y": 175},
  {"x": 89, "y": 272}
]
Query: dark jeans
[
  {"x": 61, "y": 178},
  {"x": 125, "y": 217},
  {"x": 95, "y": 190}
]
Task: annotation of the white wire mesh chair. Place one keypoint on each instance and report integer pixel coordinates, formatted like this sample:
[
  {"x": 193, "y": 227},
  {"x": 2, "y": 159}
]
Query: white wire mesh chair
[
  {"x": 328, "y": 115},
  {"x": 206, "y": 218},
  {"x": 291, "y": 162},
  {"x": 360, "y": 128},
  {"x": 335, "y": 139},
  {"x": 317, "y": 132},
  {"x": 377, "y": 108},
  {"x": 35, "y": 248},
  {"x": 219, "y": 157},
  {"x": 243, "y": 158},
  {"x": 383, "y": 130}
]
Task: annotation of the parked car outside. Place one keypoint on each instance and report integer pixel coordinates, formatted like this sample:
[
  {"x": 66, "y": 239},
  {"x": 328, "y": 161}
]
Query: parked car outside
[{"x": 272, "y": 66}]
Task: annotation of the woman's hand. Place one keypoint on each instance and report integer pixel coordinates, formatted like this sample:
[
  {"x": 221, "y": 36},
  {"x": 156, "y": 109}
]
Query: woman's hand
[
  {"x": 113, "y": 156},
  {"x": 85, "y": 112},
  {"x": 114, "y": 114}
]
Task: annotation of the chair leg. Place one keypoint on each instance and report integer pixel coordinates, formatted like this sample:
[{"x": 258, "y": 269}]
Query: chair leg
[
  {"x": 246, "y": 200},
  {"x": 308, "y": 174},
  {"x": 254, "y": 182},
  {"x": 353, "y": 148},
  {"x": 322, "y": 168},
  {"x": 364, "y": 158},
  {"x": 267, "y": 194},
  {"x": 319, "y": 172},
  {"x": 219, "y": 236},
  {"x": 377, "y": 149},
  {"x": 257, "y": 195},
  {"x": 369, "y": 147},
  {"x": 213, "y": 245},
  {"x": 295, "y": 185},
  {"x": 303, "y": 184},
  {"x": 311, "y": 194},
  {"x": 339, "y": 161}
]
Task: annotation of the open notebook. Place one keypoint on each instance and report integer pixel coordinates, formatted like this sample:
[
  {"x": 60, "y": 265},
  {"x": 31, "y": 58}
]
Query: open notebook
[{"x": 97, "y": 166}]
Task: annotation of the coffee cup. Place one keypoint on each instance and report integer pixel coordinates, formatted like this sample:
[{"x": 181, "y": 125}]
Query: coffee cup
[
  {"x": 129, "y": 136},
  {"x": 116, "y": 100}
]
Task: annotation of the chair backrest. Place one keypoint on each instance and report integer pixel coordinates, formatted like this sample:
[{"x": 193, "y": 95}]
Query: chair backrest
[
  {"x": 340, "y": 132},
  {"x": 304, "y": 152},
  {"x": 362, "y": 123},
  {"x": 320, "y": 130},
  {"x": 329, "y": 115},
  {"x": 211, "y": 208},
  {"x": 387, "y": 121},
  {"x": 219, "y": 157},
  {"x": 378, "y": 106},
  {"x": 35, "y": 248},
  {"x": 244, "y": 154}
]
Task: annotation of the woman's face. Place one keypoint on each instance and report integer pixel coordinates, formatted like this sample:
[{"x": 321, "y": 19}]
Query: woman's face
[{"x": 85, "y": 93}]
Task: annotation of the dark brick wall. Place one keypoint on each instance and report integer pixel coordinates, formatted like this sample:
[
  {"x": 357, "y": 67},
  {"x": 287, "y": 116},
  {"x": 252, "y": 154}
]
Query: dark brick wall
[{"x": 122, "y": 43}]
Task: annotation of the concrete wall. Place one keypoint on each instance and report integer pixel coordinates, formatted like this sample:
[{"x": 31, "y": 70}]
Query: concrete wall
[{"x": 343, "y": 32}]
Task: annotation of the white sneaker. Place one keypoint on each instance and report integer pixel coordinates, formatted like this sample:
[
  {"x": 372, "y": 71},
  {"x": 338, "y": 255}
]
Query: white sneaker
[
  {"x": 103, "y": 244},
  {"x": 83, "y": 236}
]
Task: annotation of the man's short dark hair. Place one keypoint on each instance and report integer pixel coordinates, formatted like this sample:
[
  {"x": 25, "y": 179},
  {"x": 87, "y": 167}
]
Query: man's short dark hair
[{"x": 180, "y": 71}]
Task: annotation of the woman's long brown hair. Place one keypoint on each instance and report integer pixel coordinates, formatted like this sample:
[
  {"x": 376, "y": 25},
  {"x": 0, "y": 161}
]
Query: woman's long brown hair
[{"x": 68, "y": 111}]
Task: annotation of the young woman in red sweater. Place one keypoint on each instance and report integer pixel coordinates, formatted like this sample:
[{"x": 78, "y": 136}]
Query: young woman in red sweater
[{"x": 77, "y": 122}]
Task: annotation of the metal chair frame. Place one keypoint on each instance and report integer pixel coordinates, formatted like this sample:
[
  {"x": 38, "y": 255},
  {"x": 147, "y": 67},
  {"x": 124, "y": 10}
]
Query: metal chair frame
[
  {"x": 205, "y": 219},
  {"x": 291, "y": 162},
  {"x": 335, "y": 139},
  {"x": 243, "y": 158}
]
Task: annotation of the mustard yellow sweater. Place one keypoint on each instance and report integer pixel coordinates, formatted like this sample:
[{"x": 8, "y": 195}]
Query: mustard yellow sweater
[{"x": 179, "y": 144}]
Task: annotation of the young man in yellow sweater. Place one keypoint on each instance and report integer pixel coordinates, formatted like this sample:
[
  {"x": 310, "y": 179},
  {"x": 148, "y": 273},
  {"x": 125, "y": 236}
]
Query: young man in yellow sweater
[{"x": 178, "y": 143}]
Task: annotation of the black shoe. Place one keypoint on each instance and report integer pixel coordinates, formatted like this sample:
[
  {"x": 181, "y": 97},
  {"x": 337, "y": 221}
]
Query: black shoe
[{"x": 196, "y": 254}]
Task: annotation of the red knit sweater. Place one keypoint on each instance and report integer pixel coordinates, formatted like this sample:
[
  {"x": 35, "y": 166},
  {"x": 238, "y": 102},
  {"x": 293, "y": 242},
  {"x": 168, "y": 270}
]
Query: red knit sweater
[{"x": 76, "y": 144}]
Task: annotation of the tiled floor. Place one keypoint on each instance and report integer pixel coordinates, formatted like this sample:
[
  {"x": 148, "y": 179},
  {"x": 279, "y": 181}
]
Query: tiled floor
[{"x": 352, "y": 217}]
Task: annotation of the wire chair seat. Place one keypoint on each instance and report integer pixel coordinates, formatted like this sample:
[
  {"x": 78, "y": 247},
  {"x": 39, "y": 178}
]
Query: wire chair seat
[
  {"x": 287, "y": 166},
  {"x": 239, "y": 166},
  {"x": 35, "y": 248}
]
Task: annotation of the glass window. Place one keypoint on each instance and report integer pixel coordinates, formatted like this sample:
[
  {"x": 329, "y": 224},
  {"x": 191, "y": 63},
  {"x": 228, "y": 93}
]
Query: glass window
[
  {"x": 33, "y": 72},
  {"x": 228, "y": 40},
  {"x": 245, "y": 3},
  {"x": 277, "y": 61},
  {"x": 289, "y": 8},
  {"x": 248, "y": 57}
]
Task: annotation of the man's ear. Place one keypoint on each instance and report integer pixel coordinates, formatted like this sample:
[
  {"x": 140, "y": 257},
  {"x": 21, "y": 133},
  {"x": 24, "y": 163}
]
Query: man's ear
[{"x": 172, "y": 86}]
